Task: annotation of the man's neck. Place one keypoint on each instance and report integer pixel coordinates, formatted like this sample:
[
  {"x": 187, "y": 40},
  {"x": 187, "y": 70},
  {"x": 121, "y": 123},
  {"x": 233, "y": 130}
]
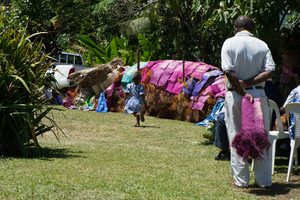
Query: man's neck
[{"x": 245, "y": 31}]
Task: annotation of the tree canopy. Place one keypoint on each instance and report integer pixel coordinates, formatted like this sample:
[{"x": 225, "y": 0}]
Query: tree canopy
[{"x": 196, "y": 29}]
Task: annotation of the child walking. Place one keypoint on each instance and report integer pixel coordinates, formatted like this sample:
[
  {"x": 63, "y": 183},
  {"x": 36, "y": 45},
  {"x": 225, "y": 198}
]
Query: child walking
[{"x": 135, "y": 98}]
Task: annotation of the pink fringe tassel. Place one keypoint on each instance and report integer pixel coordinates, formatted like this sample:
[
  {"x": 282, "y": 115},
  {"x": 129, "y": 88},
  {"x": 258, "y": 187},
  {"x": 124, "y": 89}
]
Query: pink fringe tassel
[{"x": 253, "y": 138}]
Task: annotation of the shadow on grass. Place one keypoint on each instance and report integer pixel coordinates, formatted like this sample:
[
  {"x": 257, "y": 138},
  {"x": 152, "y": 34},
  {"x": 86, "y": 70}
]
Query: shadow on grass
[
  {"x": 275, "y": 190},
  {"x": 147, "y": 127},
  {"x": 206, "y": 142},
  {"x": 44, "y": 154}
]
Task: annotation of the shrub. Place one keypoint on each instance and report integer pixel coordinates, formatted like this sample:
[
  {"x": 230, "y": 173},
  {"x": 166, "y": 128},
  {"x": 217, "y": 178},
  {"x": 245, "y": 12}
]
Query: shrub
[{"x": 23, "y": 65}]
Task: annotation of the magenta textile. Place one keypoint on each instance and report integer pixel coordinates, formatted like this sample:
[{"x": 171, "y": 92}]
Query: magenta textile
[
  {"x": 168, "y": 72},
  {"x": 159, "y": 70},
  {"x": 207, "y": 79},
  {"x": 174, "y": 83},
  {"x": 152, "y": 67},
  {"x": 200, "y": 101},
  {"x": 217, "y": 88},
  {"x": 189, "y": 67},
  {"x": 253, "y": 138},
  {"x": 201, "y": 69},
  {"x": 174, "y": 78},
  {"x": 108, "y": 95}
]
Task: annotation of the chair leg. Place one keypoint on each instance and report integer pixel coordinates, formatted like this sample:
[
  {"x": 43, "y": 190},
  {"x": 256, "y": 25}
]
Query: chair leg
[
  {"x": 291, "y": 160},
  {"x": 296, "y": 156},
  {"x": 273, "y": 154}
]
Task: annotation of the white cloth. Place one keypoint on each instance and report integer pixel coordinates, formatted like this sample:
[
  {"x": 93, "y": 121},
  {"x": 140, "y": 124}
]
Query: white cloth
[
  {"x": 247, "y": 57},
  {"x": 293, "y": 96}
]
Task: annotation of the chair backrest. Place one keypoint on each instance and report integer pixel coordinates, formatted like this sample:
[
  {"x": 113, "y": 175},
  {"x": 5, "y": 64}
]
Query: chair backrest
[
  {"x": 273, "y": 106},
  {"x": 294, "y": 108}
]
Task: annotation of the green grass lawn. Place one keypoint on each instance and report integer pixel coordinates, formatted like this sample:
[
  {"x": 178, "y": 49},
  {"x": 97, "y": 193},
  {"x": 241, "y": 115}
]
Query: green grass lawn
[{"x": 102, "y": 156}]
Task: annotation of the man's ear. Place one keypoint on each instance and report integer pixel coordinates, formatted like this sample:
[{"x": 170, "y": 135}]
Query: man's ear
[{"x": 236, "y": 30}]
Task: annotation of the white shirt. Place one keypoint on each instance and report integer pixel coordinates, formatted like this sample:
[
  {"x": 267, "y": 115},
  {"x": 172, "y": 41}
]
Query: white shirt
[
  {"x": 247, "y": 56},
  {"x": 293, "y": 96}
]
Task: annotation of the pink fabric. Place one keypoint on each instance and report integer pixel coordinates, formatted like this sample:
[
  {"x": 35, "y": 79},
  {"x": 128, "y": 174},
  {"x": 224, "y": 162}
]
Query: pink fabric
[
  {"x": 168, "y": 72},
  {"x": 207, "y": 79},
  {"x": 174, "y": 78},
  {"x": 253, "y": 138},
  {"x": 201, "y": 69},
  {"x": 150, "y": 66},
  {"x": 217, "y": 88},
  {"x": 157, "y": 73},
  {"x": 68, "y": 102},
  {"x": 174, "y": 83},
  {"x": 189, "y": 67},
  {"x": 108, "y": 95},
  {"x": 200, "y": 101}
]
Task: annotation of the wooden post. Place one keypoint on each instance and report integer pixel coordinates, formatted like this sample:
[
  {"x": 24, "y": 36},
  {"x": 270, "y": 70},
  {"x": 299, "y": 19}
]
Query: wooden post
[
  {"x": 183, "y": 75},
  {"x": 138, "y": 59}
]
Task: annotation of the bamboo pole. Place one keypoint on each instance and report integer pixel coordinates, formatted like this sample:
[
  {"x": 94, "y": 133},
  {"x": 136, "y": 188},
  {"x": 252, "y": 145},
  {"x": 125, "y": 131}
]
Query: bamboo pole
[
  {"x": 183, "y": 71},
  {"x": 138, "y": 59}
]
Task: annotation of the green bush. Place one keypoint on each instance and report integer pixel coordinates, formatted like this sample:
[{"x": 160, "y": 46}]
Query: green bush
[{"x": 23, "y": 65}]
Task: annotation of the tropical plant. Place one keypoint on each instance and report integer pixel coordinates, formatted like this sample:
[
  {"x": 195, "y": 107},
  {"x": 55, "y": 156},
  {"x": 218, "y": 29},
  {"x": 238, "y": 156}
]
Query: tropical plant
[
  {"x": 120, "y": 47},
  {"x": 116, "y": 48},
  {"x": 23, "y": 65}
]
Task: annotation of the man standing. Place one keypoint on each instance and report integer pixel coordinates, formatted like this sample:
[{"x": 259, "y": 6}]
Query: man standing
[{"x": 247, "y": 63}]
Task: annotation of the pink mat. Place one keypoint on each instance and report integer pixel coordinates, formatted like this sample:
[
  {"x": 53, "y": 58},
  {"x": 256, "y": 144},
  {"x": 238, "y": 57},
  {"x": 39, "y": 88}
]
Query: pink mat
[
  {"x": 159, "y": 70},
  {"x": 168, "y": 72},
  {"x": 253, "y": 138}
]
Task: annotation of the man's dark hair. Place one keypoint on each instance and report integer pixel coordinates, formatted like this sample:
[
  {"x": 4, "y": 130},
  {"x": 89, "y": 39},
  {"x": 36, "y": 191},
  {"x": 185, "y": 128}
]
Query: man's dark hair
[{"x": 244, "y": 23}]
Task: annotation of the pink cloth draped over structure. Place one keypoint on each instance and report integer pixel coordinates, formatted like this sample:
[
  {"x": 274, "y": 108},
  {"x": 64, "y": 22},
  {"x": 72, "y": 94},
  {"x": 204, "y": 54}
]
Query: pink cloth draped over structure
[
  {"x": 150, "y": 66},
  {"x": 217, "y": 88},
  {"x": 168, "y": 72},
  {"x": 201, "y": 69},
  {"x": 158, "y": 72},
  {"x": 253, "y": 138},
  {"x": 214, "y": 86},
  {"x": 175, "y": 81}
]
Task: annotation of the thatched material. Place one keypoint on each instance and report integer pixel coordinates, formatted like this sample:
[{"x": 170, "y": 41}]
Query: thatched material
[{"x": 96, "y": 75}]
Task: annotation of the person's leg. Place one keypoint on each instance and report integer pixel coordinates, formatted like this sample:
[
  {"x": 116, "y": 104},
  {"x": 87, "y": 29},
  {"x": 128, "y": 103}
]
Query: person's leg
[
  {"x": 137, "y": 115},
  {"x": 239, "y": 167},
  {"x": 263, "y": 167},
  {"x": 142, "y": 116},
  {"x": 221, "y": 138}
]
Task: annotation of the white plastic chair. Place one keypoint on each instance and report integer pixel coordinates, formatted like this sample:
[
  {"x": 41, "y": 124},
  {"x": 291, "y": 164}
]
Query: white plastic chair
[
  {"x": 295, "y": 143},
  {"x": 274, "y": 135}
]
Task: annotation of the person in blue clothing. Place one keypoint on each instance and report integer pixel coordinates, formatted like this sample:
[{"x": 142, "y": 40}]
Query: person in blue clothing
[
  {"x": 135, "y": 98},
  {"x": 57, "y": 99}
]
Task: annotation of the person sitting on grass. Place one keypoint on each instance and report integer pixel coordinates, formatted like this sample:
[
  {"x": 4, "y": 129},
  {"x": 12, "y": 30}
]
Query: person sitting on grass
[
  {"x": 135, "y": 98},
  {"x": 57, "y": 99}
]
